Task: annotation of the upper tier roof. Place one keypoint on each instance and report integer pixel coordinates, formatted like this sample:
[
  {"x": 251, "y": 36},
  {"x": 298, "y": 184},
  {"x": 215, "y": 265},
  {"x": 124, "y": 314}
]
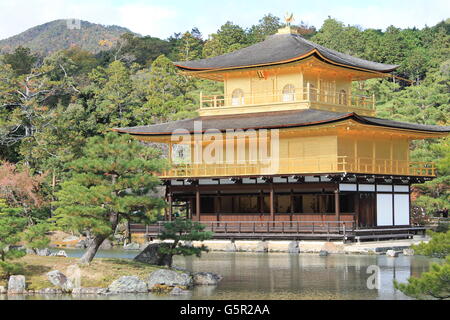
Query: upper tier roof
[
  {"x": 272, "y": 120},
  {"x": 277, "y": 49}
]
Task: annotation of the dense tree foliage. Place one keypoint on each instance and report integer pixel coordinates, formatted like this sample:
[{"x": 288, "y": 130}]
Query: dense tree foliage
[
  {"x": 436, "y": 282},
  {"x": 111, "y": 181}
]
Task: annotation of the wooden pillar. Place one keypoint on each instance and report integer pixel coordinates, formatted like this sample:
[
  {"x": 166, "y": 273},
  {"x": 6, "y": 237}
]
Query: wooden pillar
[
  {"x": 219, "y": 205},
  {"x": 197, "y": 204},
  {"x": 170, "y": 205},
  {"x": 292, "y": 204},
  {"x": 337, "y": 204},
  {"x": 272, "y": 203}
]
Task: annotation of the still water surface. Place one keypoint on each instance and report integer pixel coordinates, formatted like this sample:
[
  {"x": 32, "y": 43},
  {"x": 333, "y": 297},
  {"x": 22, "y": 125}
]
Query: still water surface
[{"x": 276, "y": 276}]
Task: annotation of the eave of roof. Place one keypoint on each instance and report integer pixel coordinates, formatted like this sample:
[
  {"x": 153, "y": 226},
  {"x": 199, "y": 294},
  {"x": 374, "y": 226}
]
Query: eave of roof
[
  {"x": 275, "y": 120},
  {"x": 280, "y": 49}
]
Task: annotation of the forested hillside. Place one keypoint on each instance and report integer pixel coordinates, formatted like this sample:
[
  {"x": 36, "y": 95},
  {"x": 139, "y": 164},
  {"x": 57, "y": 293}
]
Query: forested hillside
[
  {"x": 51, "y": 105},
  {"x": 55, "y": 35}
]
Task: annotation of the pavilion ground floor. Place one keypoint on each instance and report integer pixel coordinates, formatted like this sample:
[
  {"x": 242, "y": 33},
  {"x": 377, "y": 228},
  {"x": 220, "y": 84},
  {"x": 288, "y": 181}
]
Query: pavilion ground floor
[{"x": 342, "y": 207}]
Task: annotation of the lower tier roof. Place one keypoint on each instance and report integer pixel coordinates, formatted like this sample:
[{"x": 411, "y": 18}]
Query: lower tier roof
[{"x": 274, "y": 120}]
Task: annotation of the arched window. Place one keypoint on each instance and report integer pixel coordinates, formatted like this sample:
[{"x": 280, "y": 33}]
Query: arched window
[
  {"x": 288, "y": 93},
  {"x": 343, "y": 97},
  {"x": 237, "y": 97}
]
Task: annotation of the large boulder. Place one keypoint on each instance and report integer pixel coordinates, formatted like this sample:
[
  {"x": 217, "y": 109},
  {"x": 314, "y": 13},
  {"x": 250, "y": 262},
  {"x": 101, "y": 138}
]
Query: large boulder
[
  {"x": 128, "y": 284},
  {"x": 323, "y": 253},
  {"x": 206, "y": 279},
  {"x": 169, "y": 278},
  {"x": 408, "y": 252},
  {"x": 151, "y": 255},
  {"x": 106, "y": 245},
  {"x": 3, "y": 290},
  {"x": 58, "y": 279},
  {"x": 16, "y": 285}
]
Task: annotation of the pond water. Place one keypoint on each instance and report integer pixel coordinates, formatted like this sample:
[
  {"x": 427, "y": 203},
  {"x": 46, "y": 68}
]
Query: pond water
[{"x": 277, "y": 276}]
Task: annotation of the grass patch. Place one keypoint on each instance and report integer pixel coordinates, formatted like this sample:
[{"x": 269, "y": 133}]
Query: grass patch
[{"x": 100, "y": 273}]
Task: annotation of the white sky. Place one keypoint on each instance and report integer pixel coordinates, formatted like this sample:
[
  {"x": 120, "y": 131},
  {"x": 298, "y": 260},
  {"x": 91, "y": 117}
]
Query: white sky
[{"x": 161, "y": 18}]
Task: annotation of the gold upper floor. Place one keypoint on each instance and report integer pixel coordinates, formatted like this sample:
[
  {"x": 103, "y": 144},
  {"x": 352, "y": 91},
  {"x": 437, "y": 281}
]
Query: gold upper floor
[{"x": 309, "y": 84}]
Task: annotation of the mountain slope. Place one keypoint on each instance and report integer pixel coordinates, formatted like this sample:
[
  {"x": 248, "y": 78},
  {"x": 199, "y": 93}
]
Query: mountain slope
[{"x": 56, "y": 35}]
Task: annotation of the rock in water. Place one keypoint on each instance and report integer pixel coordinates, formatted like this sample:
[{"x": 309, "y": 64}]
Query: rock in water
[
  {"x": 207, "y": 279},
  {"x": 293, "y": 247},
  {"x": 3, "y": 290},
  {"x": 57, "y": 278},
  {"x": 178, "y": 292},
  {"x": 131, "y": 246},
  {"x": 231, "y": 247},
  {"x": 169, "y": 278},
  {"x": 408, "y": 252},
  {"x": 261, "y": 246},
  {"x": 128, "y": 284},
  {"x": 16, "y": 284},
  {"x": 392, "y": 253},
  {"x": 323, "y": 253},
  {"x": 151, "y": 255}
]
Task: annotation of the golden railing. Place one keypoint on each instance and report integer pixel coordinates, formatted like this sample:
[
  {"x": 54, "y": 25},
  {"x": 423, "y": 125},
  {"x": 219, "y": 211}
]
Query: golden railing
[
  {"x": 303, "y": 165},
  {"x": 307, "y": 94}
]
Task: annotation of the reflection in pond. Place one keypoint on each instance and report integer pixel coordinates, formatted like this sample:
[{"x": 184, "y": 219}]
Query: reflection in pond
[{"x": 285, "y": 276}]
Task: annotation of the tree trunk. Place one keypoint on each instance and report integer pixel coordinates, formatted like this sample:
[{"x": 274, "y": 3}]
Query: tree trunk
[{"x": 89, "y": 255}]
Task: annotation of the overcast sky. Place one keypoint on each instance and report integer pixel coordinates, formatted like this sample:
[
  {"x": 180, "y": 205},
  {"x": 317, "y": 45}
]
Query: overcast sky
[{"x": 161, "y": 18}]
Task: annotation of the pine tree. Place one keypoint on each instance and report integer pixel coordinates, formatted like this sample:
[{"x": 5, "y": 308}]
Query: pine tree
[
  {"x": 113, "y": 180},
  {"x": 181, "y": 232}
]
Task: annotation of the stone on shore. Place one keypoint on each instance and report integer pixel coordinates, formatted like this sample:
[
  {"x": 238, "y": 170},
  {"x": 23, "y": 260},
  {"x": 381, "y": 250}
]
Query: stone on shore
[
  {"x": 293, "y": 247},
  {"x": 16, "y": 284},
  {"x": 128, "y": 284},
  {"x": 88, "y": 290},
  {"x": 391, "y": 253},
  {"x": 58, "y": 279},
  {"x": 3, "y": 290},
  {"x": 408, "y": 252},
  {"x": 106, "y": 245},
  {"x": 206, "y": 279},
  {"x": 50, "y": 291},
  {"x": 169, "y": 278},
  {"x": 151, "y": 255}
]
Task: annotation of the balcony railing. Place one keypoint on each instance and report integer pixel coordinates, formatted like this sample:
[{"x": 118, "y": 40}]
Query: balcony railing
[
  {"x": 304, "y": 165},
  {"x": 308, "y": 94}
]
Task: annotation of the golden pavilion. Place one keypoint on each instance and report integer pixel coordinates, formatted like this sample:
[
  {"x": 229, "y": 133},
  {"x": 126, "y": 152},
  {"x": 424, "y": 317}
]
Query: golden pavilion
[{"x": 289, "y": 149}]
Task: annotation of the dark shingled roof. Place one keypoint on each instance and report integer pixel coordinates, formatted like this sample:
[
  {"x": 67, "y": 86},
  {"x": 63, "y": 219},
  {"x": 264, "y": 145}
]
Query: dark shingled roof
[
  {"x": 283, "y": 119},
  {"x": 280, "y": 48}
]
